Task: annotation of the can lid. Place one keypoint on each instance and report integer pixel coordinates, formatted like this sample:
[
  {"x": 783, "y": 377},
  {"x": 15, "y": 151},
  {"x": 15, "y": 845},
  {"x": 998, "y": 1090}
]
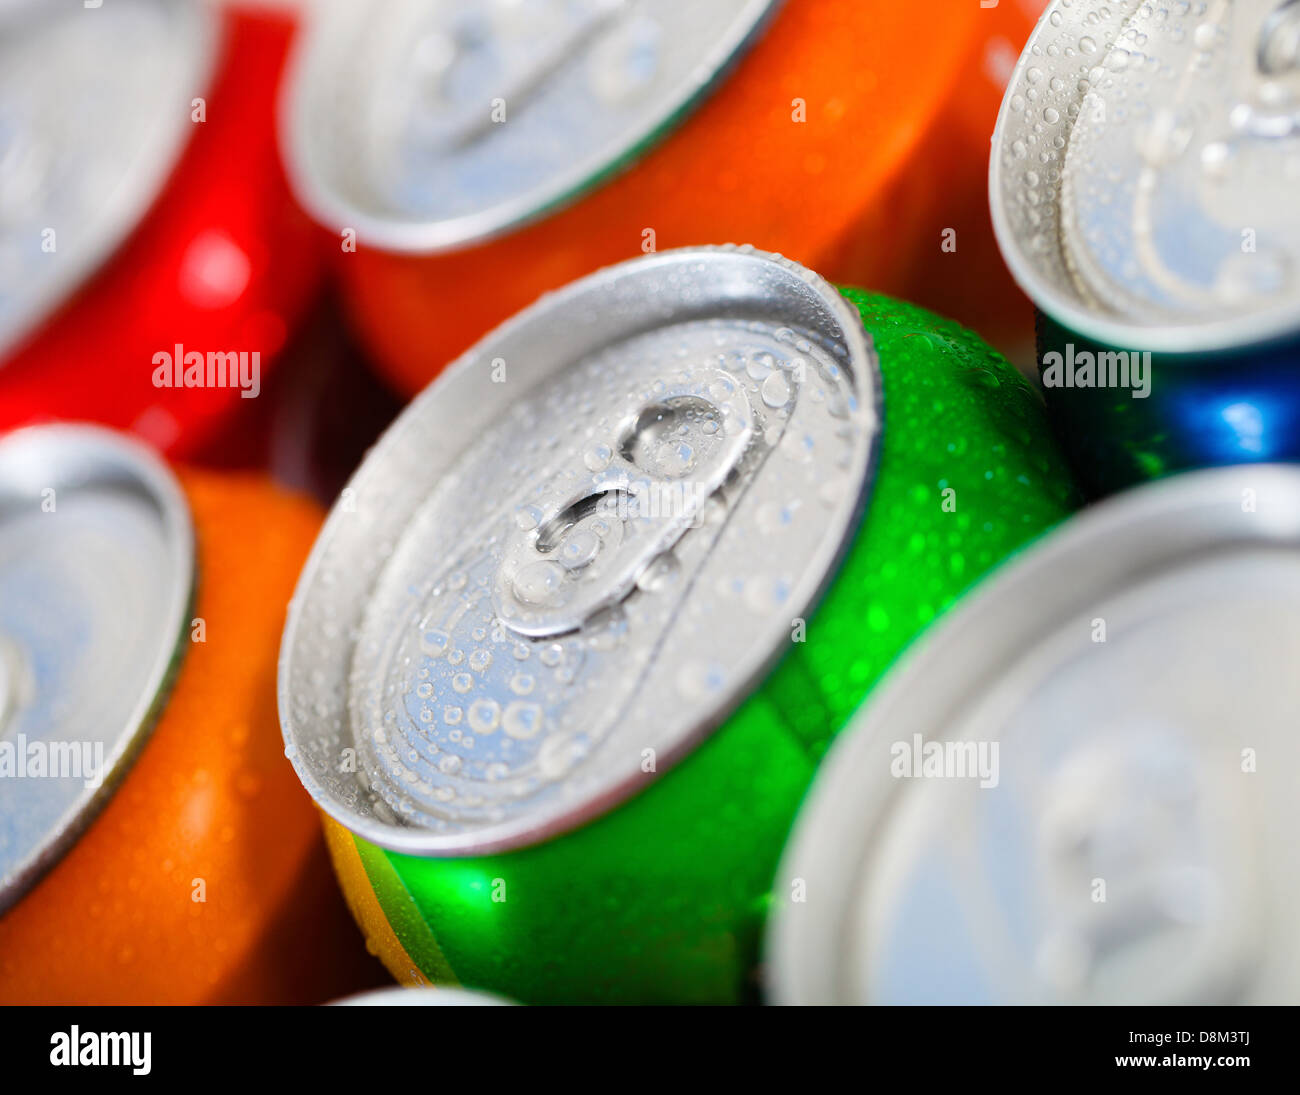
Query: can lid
[
  {"x": 95, "y": 109},
  {"x": 402, "y": 996},
  {"x": 1081, "y": 789},
  {"x": 1145, "y": 167},
  {"x": 575, "y": 553},
  {"x": 96, "y": 582},
  {"x": 426, "y": 127}
]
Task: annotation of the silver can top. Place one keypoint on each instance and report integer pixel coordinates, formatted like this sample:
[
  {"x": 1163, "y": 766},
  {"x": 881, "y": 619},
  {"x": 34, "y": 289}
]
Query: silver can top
[
  {"x": 96, "y": 582},
  {"x": 95, "y": 107},
  {"x": 429, "y": 126},
  {"x": 1145, "y": 167},
  {"x": 1081, "y": 789},
  {"x": 578, "y": 550},
  {"x": 402, "y": 996}
]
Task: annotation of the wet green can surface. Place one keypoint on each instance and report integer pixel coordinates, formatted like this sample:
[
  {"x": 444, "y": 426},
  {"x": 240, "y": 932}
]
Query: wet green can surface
[{"x": 663, "y": 897}]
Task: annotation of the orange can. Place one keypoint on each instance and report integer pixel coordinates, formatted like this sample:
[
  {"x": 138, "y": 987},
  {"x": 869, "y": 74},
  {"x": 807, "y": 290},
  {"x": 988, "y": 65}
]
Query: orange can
[
  {"x": 155, "y": 846},
  {"x": 472, "y": 156}
]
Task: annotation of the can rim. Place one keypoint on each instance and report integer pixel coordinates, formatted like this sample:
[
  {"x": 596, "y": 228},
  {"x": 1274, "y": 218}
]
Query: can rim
[
  {"x": 837, "y": 832},
  {"x": 442, "y": 235},
  {"x": 413, "y": 840},
  {"x": 54, "y": 452},
  {"x": 122, "y": 212},
  {"x": 1251, "y": 329},
  {"x": 412, "y": 996}
]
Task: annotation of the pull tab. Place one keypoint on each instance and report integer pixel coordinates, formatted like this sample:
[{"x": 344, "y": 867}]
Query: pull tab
[
  {"x": 603, "y": 520},
  {"x": 528, "y": 72}
]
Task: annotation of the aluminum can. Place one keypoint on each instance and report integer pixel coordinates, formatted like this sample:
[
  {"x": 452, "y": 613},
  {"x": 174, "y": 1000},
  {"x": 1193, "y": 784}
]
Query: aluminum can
[
  {"x": 152, "y": 261},
  {"x": 565, "y": 656},
  {"x": 1079, "y": 790},
  {"x": 469, "y": 156},
  {"x": 1143, "y": 183},
  {"x": 155, "y": 847}
]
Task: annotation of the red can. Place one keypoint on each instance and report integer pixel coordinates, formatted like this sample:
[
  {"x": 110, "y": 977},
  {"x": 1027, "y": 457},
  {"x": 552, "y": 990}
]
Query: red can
[{"x": 152, "y": 261}]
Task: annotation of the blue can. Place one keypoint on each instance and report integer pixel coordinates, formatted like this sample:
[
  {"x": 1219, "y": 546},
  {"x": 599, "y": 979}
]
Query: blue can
[{"x": 1143, "y": 185}]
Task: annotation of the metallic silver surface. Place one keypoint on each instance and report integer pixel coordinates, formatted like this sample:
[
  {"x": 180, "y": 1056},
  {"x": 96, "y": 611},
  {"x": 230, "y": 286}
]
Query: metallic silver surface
[
  {"x": 1145, "y": 169},
  {"x": 429, "y": 126},
  {"x": 535, "y": 583},
  {"x": 1137, "y": 843},
  {"x": 96, "y": 582},
  {"x": 94, "y": 113},
  {"x": 422, "y": 998}
]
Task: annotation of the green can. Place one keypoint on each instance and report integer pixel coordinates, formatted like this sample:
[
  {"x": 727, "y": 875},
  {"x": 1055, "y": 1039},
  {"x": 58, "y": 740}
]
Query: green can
[{"x": 575, "y": 638}]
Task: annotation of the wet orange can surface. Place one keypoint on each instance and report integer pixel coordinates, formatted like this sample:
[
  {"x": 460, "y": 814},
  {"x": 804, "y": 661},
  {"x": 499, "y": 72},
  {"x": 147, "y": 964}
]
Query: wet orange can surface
[
  {"x": 195, "y": 873},
  {"x": 850, "y": 136}
]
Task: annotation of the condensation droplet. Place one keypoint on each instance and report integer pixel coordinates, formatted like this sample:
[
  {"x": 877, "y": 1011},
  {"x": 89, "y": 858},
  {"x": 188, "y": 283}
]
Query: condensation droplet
[
  {"x": 539, "y": 583},
  {"x": 434, "y": 643},
  {"x": 484, "y": 716},
  {"x": 522, "y": 720},
  {"x": 597, "y": 457},
  {"x": 776, "y": 390},
  {"x": 579, "y": 549}
]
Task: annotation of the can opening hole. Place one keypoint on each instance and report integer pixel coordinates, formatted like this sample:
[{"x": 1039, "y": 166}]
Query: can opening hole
[{"x": 552, "y": 532}]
